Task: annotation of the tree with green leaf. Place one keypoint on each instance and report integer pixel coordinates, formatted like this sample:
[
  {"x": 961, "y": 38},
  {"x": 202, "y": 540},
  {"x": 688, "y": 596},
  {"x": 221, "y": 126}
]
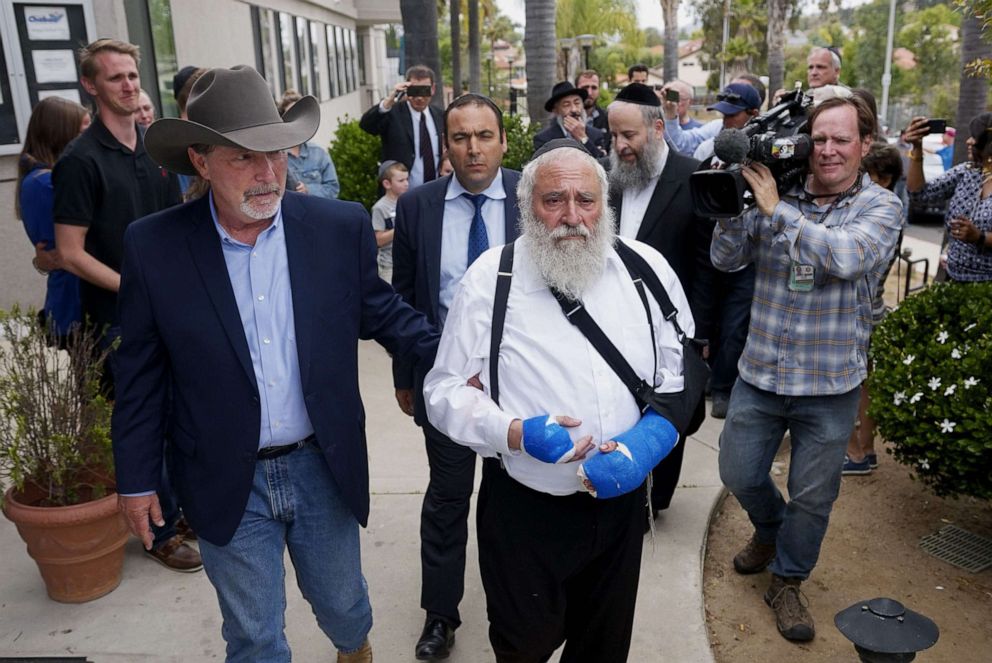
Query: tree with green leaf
[
  {"x": 976, "y": 65},
  {"x": 540, "y": 47}
]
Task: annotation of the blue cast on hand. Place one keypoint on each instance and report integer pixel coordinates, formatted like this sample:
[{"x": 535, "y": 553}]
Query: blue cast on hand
[
  {"x": 638, "y": 451},
  {"x": 546, "y": 440}
]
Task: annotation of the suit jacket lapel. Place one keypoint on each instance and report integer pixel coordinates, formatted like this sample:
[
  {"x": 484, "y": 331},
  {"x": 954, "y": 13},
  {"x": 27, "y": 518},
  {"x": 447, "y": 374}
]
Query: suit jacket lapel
[
  {"x": 664, "y": 191},
  {"x": 406, "y": 119},
  {"x": 431, "y": 222},
  {"x": 303, "y": 273},
  {"x": 510, "y": 210},
  {"x": 204, "y": 244}
]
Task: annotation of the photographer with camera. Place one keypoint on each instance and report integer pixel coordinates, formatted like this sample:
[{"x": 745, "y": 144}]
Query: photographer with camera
[
  {"x": 409, "y": 126},
  {"x": 820, "y": 250}
]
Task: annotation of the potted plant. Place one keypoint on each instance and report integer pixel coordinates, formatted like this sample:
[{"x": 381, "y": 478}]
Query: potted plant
[
  {"x": 56, "y": 458},
  {"x": 930, "y": 387}
]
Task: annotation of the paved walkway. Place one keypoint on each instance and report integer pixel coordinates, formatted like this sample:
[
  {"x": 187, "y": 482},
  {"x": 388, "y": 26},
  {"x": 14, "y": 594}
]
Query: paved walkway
[{"x": 158, "y": 615}]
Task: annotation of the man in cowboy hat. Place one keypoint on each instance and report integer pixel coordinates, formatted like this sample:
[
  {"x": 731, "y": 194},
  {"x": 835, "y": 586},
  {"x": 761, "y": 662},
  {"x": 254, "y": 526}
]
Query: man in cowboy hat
[
  {"x": 569, "y": 120},
  {"x": 240, "y": 319}
]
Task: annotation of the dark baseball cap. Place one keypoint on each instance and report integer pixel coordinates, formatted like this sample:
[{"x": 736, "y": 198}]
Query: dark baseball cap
[{"x": 735, "y": 98}]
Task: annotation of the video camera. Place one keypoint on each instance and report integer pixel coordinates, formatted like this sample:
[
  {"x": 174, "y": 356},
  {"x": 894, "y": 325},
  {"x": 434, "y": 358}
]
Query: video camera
[{"x": 773, "y": 138}]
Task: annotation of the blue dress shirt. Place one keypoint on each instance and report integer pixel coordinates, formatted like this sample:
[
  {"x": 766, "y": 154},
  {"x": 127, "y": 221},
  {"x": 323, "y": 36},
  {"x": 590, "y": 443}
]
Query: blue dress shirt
[
  {"x": 458, "y": 214},
  {"x": 260, "y": 279}
]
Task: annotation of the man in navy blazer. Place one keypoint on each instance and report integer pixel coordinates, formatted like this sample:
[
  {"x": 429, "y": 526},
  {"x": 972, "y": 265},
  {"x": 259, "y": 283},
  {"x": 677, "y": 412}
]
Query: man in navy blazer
[
  {"x": 241, "y": 314},
  {"x": 410, "y": 129},
  {"x": 441, "y": 228}
]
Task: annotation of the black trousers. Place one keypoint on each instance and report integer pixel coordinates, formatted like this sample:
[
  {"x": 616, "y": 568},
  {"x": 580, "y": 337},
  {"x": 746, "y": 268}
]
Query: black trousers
[
  {"x": 666, "y": 477},
  {"x": 444, "y": 526},
  {"x": 558, "y": 569}
]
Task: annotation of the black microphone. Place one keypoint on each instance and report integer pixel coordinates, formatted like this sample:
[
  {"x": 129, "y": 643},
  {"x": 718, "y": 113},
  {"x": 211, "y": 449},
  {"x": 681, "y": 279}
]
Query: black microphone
[{"x": 731, "y": 145}]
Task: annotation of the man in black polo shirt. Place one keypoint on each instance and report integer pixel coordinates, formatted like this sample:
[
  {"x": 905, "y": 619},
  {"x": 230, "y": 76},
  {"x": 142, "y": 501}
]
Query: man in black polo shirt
[{"x": 103, "y": 182}]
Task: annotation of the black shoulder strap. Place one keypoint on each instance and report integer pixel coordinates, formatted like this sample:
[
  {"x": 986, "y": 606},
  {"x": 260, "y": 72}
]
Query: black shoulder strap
[
  {"x": 639, "y": 268},
  {"x": 503, "y": 278}
]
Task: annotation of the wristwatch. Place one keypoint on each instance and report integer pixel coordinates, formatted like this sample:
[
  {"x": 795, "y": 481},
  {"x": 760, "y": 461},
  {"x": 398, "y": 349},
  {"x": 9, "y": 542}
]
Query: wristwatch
[{"x": 34, "y": 263}]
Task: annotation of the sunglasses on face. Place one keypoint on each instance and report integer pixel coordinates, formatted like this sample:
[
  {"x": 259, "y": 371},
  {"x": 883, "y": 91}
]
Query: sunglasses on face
[{"x": 731, "y": 98}]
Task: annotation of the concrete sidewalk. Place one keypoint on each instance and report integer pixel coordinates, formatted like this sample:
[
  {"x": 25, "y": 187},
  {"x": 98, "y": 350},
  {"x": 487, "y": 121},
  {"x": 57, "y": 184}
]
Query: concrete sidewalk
[{"x": 158, "y": 615}]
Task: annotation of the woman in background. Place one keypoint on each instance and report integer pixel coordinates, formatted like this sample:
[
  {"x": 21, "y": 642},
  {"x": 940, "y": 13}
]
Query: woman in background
[{"x": 54, "y": 123}]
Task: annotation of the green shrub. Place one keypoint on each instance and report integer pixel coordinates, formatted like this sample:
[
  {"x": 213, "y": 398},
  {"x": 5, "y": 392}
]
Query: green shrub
[
  {"x": 519, "y": 141},
  {"x": 356, "y": 158},
  {"x": 930, "y": 386}
]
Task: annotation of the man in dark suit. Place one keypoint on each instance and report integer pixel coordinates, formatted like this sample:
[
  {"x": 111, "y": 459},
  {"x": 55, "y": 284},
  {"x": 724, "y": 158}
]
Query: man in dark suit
[
  {"x": 649, "y": 193},
  {"x": 570, "y": 120},
  {"x": 440, "y": 229},
  {"x": 588, "y": 80},
  {"x": 410, "y": 130},
  {"x": 241, "y": 314}
]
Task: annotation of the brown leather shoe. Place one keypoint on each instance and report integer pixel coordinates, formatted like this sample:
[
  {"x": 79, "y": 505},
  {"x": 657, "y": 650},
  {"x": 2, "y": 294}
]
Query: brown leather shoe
[
  {"x": 176, "y": 555},
  {"x": 362, "y": 655},
  {"x": 755, "y": 556},
  {"x": 789, "y": 603},
  {"x": 184, "y": 530}
]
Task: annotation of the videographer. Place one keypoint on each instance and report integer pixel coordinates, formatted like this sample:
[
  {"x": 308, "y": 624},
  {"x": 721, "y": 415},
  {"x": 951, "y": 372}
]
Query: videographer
[{"x": 820, "y": 250}]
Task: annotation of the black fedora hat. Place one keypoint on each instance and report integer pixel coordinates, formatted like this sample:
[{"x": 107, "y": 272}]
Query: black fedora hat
[
  {"x": 563, "y": 89},
  {"x": 234, "y": 108}
]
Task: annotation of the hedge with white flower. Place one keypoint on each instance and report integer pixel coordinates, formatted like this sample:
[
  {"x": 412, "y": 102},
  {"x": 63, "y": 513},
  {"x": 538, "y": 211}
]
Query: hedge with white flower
[{"x": 931, "y": 387}]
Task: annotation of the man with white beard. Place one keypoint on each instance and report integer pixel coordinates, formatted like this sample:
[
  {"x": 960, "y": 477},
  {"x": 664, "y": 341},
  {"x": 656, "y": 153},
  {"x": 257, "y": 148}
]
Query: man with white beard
[
  {"x": 558, "y": 564},
  {"x": 569, "y": 120}
]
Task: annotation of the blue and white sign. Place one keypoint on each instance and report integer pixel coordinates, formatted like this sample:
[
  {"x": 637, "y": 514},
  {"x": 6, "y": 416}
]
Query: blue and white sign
[{"x": 47, "y": 23}]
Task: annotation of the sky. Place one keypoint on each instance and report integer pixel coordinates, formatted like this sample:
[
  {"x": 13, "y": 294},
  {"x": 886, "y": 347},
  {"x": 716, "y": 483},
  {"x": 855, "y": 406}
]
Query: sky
[{"x": 648, "y": 11}]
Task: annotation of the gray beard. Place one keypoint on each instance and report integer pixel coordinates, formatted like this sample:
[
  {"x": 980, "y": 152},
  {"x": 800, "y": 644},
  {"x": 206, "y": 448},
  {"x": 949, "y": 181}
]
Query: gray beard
[
  {"x": 569, "y": 266},
  {"x": 635, "y": 175}
]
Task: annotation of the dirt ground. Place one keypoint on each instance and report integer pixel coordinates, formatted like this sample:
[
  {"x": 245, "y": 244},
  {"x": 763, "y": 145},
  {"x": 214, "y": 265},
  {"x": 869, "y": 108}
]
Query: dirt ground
[{"x": 870, "y": 550}]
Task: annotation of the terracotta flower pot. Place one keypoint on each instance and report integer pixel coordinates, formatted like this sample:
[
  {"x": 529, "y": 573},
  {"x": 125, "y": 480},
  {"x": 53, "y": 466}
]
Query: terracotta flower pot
[{"x": 79, "y": 549}]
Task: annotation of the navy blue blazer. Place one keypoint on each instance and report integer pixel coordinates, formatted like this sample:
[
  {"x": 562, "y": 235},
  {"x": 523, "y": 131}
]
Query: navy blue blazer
[
  {"x": 417, "y": 261},
  {"x": 184, "y": 372}
]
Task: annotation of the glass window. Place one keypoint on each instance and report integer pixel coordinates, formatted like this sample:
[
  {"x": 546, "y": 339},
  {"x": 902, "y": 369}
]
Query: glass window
[
  {"x": 287, "y": 45},
  {"x": 362, "y": 77},
  {"x": 164, "y": 44},
  {"x": 267, "y": 49},
  {"x": 318, "y": 90},
  {"x": 332, "y": 62},
  {"x": 354, "y": 59},
  {"x": 302, "y": 48},
  {"x": 339, "y": 50},
  {"x": 8, "y": 121}
]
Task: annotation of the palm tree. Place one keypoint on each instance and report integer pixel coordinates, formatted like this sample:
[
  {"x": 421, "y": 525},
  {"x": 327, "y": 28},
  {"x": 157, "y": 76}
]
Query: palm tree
[
  {"x": 456, "y": 47},
  {"x": 670, "y": 14},
  {"x": 601, "y": 18},
  {"x": 474, "y": 48},
  {"x": 539, "y": 49},
  {"x": 973, "y": 90},
  {"x": 420, "y": 37},
  {"x": 778, "y": 11}
]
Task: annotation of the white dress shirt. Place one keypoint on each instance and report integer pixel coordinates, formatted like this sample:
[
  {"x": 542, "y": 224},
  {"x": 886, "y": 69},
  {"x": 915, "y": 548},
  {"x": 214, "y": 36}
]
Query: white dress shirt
[
  {"x": 417, "y": 172},
  {"x": 458, "y": 214},
  {"x": 546, "y": 365},
  {"x": 635, "y": 202}
]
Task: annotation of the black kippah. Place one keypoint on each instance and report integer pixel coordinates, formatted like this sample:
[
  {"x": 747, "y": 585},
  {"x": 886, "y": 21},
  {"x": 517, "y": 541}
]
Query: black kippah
[
  {"x": 558, "y": 143},
  {"x": 638, "y": 93}
]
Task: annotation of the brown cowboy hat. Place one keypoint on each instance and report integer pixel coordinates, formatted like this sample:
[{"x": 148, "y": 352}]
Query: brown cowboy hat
[{"x": 231, "y": 107}]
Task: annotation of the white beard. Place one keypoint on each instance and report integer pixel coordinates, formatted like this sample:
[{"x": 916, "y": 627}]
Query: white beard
[
  {"x": 636, "y": 175},
  {"x": 258, "y": 210},
  {"x": 569, "y": 266}
]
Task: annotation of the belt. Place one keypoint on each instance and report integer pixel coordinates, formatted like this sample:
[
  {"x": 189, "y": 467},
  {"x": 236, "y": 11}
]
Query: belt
[{"x": 268, "y": 453}]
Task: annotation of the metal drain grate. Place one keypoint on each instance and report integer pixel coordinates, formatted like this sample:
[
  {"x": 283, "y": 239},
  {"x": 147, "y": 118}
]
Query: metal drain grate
[{"x": 959, "y": 547}]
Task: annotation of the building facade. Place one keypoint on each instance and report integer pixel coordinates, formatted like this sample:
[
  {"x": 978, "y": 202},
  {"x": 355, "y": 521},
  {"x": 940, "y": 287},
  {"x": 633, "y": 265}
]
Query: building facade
[{"x": 332, "y": 49}]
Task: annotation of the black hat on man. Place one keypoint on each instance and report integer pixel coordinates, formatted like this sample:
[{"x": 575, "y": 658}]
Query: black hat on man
[
  {"x": 639, "y": 93},
  {"x": 561, "y": 90}
]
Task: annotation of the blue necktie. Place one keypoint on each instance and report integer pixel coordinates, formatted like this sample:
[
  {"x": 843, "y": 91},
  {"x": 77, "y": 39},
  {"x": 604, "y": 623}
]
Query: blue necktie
[{"x": 478, "y": 239}]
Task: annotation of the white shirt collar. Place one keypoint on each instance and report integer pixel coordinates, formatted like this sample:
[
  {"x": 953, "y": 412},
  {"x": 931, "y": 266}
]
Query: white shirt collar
[{"x": 494, "y": 191}]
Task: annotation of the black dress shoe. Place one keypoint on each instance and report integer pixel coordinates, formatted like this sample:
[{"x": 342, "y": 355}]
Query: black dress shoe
[{"x": 436, "y": 640}]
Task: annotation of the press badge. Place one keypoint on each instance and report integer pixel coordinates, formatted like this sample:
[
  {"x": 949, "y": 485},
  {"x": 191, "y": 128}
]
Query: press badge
[{"x": 801, "y": 277}]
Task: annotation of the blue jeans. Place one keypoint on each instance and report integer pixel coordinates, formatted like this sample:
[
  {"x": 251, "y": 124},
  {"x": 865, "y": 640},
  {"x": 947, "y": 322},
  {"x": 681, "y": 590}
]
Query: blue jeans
[
  {"x": 820, "y": 427},
  {"x": 294, "y": 501}
]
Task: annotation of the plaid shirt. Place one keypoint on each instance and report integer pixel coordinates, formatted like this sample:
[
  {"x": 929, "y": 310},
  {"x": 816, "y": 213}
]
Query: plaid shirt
[{"x": 811, "y": 343}]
